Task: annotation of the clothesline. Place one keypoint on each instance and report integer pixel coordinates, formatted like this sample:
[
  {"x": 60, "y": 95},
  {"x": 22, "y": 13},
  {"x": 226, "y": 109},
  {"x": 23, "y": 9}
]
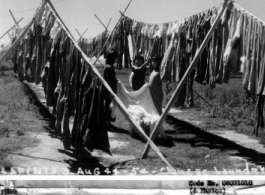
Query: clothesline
[
  {"x": 100, "y": 34},
  {"x": 242, "y": 9},
  {"x": 178, "y": 19},
  {"x": 236, "y": 5},
  {"x": 112, "y": 94}
]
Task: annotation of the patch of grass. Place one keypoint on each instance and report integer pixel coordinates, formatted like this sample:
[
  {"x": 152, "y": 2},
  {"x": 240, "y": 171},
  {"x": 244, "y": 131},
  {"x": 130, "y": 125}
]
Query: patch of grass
[
  {"x": 229, "y": 108},
  {"x": 228, "y": 105},
  {"x": 16, "y": 110}
]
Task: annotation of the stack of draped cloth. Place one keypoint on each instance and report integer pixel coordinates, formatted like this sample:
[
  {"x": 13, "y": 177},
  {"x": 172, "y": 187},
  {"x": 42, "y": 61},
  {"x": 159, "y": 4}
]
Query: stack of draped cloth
[{"x": 141, "y": 107}]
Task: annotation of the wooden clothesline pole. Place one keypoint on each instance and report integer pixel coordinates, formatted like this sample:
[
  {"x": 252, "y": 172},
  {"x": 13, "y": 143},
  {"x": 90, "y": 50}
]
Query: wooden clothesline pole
[
  {"x": 80, "y": 36},
  {"x": 101, "y": 22},
  {"x": 98, "y": 45},
  {"x": 112, "y": 31},
  {"x": 23, "y": 33},
  {"x": 185, "y": 77},
  {"x": 84, "y": 33},
  {"x": 78, "y": 32},
  {"x": 10, "y": 29},
  {"x": 55, "y": 12},
  {"x": 109, "y": 23},
  {"x": 117, "y": 101},
  {"x": 16, "y": 23}
]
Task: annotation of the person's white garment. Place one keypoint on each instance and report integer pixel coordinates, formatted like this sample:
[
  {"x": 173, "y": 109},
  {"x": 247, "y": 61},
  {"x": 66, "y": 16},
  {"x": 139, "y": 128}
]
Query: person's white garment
[{"x": 140, "y": 105}]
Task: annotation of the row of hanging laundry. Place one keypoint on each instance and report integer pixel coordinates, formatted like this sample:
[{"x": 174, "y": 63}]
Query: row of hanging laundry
[
  {"x": 237, "y": 45},
  {"x": 177, "y": 42},
  {"x": 47, "y": 56},
  {"x": 93, "y": 46}
]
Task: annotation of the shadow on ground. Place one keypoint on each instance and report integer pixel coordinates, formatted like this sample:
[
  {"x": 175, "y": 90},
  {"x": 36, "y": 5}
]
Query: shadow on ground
[
  {"x": 199, "y": 138},
  {"x": 206, "y": 139},
  {"x": 91, "y": 164}
]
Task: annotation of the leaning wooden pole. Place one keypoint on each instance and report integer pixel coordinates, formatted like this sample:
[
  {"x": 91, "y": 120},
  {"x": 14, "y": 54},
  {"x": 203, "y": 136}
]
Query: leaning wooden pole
[
  {"x": 10, "y": 29},
  {"x": 78, "y": 33},
  {"x": 55, "y": 13},
  {"x": 117, "y": 101},
  {"x": 22, "y": 34},
  {"x": 84, "y": 33},
  {"x": 101, "y": 22},
  {"x": 16, "y": 23},
  {"x": 185, "y": 77},
  {"x": 112, "y": 31},
  {"x": 98, "y": 45},
  {"x": 81, "y": 36},
  {"x": 109, "y": 23}
]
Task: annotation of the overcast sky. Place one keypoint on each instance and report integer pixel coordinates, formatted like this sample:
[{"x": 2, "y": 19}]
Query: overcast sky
[{"x": 79, "y": 14}]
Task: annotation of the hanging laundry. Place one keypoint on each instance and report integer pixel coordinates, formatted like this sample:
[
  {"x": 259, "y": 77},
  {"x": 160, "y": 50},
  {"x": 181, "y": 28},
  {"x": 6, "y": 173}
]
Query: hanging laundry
[
  {"x": 96, "y": 136},
  {"x": 232, "y": 53},
  {"x": 165, "y": 67},
  {"x": 223, "y": 33},
  {"x": 246, "y": 68},
  {"x": 252, "y": 66}
]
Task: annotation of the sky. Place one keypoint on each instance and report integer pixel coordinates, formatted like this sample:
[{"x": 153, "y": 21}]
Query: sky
[{"x": 79, "y": 14}]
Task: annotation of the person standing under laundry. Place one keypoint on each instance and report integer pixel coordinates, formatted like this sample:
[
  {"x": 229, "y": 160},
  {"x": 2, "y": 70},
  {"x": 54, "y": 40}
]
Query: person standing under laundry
[
  {"x": 155, "y": 83},
  {"x": 137, "y": 77},
  {"x": 110, "y": 77}
]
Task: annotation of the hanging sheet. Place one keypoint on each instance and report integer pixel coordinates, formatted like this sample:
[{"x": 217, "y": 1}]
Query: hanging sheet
[{"x": 140, "y": 105}]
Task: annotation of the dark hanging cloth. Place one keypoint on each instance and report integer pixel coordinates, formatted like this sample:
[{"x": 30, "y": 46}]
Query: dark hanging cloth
[
  {"x": 20, "y": 62},
  {"x": 14, "y": 56},
  {"x": 79, "y": 94},
  {"x": 259, "y": 117},
  {"x": 191, "y": 50},
  {"x": 38, "y": 30},
  {"x": 53, "y": 74},
  {"x": 223, "y": 34},
  {"x": 203, "y": 27},
  {"x": 70, "y": 90},
  {"x": 110, "y": 78},
  {"x": 138, "y": 79},
  {"x": 96, "y": 135},
  {"x": 31, "y": 43},
  {"x": 127, "y": 32},
  {"x": 182, "y": 68}
]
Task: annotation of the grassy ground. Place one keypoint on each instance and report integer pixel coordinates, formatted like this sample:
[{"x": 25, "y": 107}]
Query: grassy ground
[
  {"x": 188, "y": 145},
  {"x": 229, "y": 109},
  {"x": 187, "y": 148},
  {"x": 18, "y": 117}
]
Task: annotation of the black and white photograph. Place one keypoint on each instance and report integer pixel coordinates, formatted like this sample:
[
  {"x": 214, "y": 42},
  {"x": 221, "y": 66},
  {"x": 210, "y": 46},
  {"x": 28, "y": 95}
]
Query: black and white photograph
[{"x": 132, "y": 88}]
